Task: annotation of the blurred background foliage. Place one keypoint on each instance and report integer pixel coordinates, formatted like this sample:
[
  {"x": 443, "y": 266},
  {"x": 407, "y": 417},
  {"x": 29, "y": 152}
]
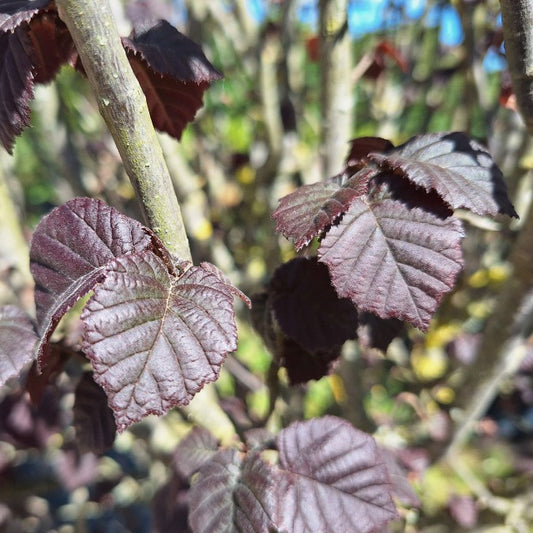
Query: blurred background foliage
[{"x": 258, "y": 137}]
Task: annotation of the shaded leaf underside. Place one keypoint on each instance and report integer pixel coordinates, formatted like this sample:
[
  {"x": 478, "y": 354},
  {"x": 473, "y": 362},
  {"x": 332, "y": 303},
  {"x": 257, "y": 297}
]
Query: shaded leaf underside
[
  {"x": 93, "y": 420},
  {"x": 362, "y": 146},
  {"x": 303, "y": 365},
  {"x": 173, "y": 73},
  {"x": 460, "y": 170},
  {"x": 172, "y": 104},
  {"x": 307, "y": 307},
  {"x": 52, "y": 46},
  {"x": 393, "y": 261},
  {"x": 154, "y": 340}
]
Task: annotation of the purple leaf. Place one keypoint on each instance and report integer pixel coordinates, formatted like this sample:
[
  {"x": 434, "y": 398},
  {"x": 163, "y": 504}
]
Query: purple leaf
[
  {"x": 231, "y": 494},
  {"x": 460, "y": 170},
  {"x": 93, "y": 420},
  {"x": 196, "y": 449},
  {"x": 311, "y": 209},
  {"x": 393, "y": 261},
  {"x": 302, "y": 336},
  {"x": 173, "y": 73},
  {"x": 362, "y": 146},
  {"x": 395, "y": 187},
  {"x": 170, "y": 507},
  {"x": 16, "y": 84},
  {"x": 155, "y": 340},
  {"x": 307, "y": 307},
  {"x": 56, "y": 359},
  {"x": 34, "y": 43},
  {"x": 14, "y": 12},
  {"x": 303, "y": 365},
  {"x": 332, "y": 478},
  {"x": 52, "y": 46},
  {"x": 17, "y": 341},
  {"x": 27, "y": 425},
  {"x": 212, "y": 269},
  {"x": 70, "y": 249},
  {"x": 263, "y": 321}
]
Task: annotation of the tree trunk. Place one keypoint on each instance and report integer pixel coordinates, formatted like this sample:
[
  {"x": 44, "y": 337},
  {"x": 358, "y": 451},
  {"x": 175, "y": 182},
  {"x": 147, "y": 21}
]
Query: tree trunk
[{"x": 498, "y": 357}]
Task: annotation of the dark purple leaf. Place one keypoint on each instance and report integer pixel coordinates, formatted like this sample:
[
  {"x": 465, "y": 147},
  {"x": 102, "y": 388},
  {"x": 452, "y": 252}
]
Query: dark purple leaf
[
  {"x": 310, "y": 210},
  {"x": 155, "y": 340},
  {"x": 16, "y": 84},
  {"x": 393, "y": 261},
  {"x": 37, "y": 381},
  {"x": 173, "y": 73},
  {"x": 395, "y": 187},
  {"x": 52, "y": 46},
  {"x": 17, "y": 342},
  {"x": 26, "y": 425},
  {"x": 303, "y": 365},
  {"x": 332, "y": 478},
  {"x": 237, "y": 411},
  {"x": 196, "y": 449},
  {"x": 307, "y": 307},
  {"x": 457, "y": 168},
  {"x": 362, "y": 146},
  {"x": 322, "y": 348},
  {"x": 14, "y": 12},
  {"x": 170, "y": 507},
  {"x": 93, "y": 420},
  {"x": 231, "y": 494},
  {"x": 375, "y": 332},
  {"x": 263, "y": 321},
  {"x": 69, "y": 251}
]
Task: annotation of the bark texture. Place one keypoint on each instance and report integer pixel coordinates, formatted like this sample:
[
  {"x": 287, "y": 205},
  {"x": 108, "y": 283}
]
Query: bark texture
[
  {"x": 335, "y": 85},
  {"x": 123, "y": 106}
]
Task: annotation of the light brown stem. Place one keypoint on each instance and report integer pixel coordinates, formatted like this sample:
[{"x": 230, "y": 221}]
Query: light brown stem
[
  {"x": 123, "y": 106},
  {"x": 335, "y": 85}
]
